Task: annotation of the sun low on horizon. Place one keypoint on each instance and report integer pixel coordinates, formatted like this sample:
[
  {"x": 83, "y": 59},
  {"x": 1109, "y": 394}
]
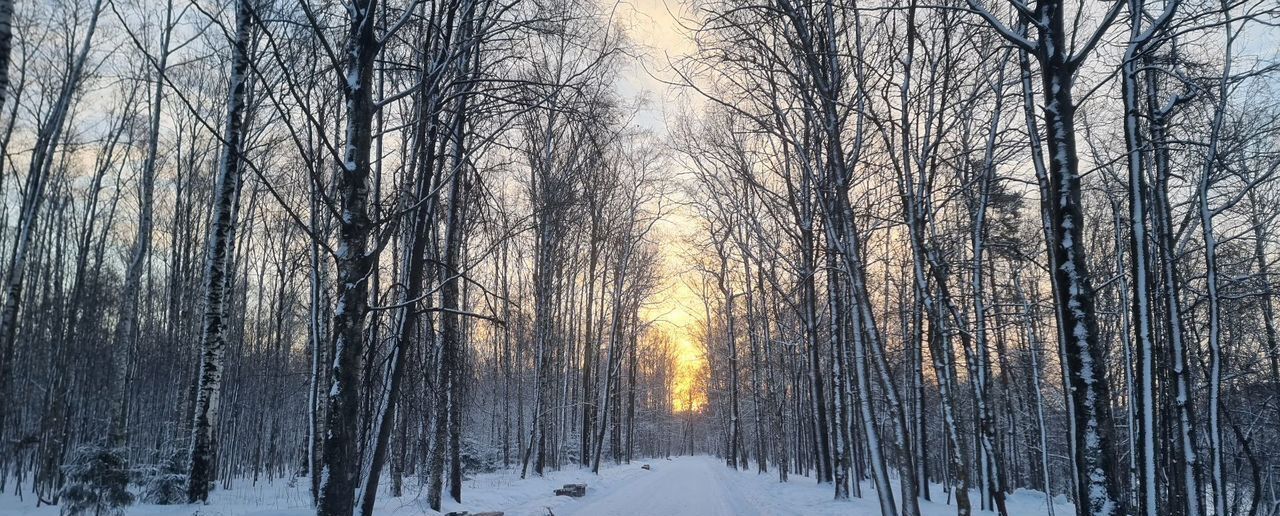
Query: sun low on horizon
[{"x": 673, "y": 316}]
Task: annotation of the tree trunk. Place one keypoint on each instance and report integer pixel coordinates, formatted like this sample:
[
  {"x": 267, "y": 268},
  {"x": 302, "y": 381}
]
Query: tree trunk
[
  {"x": 341, "y": 464},
  {"x": 214, "y": 327}
]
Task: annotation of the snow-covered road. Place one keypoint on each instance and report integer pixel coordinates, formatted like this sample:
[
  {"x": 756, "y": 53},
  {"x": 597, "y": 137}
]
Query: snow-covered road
[
  {"x": 704, "y": 486},
  {"x": 692, "y": 486}
]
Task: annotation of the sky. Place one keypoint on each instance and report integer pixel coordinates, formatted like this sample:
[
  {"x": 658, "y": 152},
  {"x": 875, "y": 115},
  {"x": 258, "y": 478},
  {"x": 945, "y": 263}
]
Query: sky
[
  {"x": 659, "y": 38},
  {"x": 659, "y": 32}
]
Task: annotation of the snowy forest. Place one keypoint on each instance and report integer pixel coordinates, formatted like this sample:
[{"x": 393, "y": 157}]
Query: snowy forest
[{"x": 924, "y": 258}]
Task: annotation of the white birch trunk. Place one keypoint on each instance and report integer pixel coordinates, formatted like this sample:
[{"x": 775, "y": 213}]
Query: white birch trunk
[{"x": 213, "y": 327}]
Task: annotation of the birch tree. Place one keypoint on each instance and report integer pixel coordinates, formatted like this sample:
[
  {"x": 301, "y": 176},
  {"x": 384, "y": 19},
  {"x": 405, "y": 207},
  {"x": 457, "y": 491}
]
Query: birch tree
[{"x": 213, "y": 328}]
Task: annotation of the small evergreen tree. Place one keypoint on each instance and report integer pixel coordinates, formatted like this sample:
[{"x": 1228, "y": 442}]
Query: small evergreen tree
[
  {"x": 165, "y": 483},
  {"x": 97, "y": 482},
  {"x": 477, "y": 458}
]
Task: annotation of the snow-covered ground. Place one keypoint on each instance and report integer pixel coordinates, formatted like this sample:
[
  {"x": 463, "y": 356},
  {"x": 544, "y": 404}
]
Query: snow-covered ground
[{"x": 694, "y": 486}]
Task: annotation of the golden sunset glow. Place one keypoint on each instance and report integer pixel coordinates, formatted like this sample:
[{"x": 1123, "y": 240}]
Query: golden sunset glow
[
  {"x": 677, "y": 312},
  {"x": 677, "y": 320},
  {"x": 688, "y": 391}
]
